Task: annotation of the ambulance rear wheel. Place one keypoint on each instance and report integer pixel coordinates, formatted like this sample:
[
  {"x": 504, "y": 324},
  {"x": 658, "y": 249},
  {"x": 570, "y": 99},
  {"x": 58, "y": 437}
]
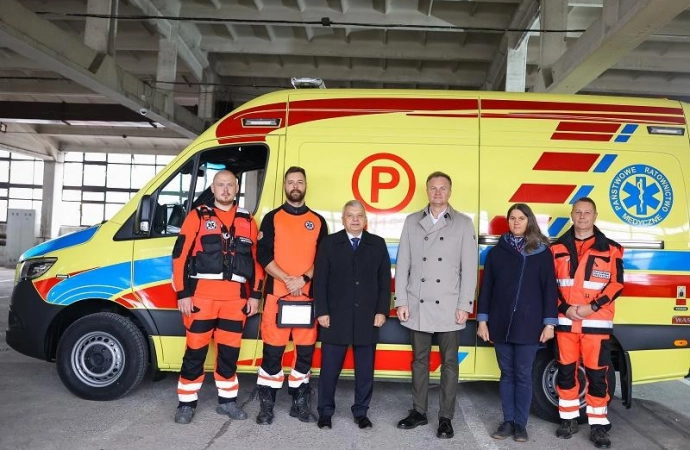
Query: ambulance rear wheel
[
  {"x": 102, "y": 356},
  {"x": 544, "y": 393}
]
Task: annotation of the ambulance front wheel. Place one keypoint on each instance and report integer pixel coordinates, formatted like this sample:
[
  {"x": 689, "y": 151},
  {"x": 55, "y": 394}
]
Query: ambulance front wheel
[
  {"x": 102, "y": 356},
  {"x": 544, "y": 394}
]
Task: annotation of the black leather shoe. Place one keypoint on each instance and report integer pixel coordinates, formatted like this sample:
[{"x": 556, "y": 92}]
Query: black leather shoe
[
  {"x": 363, "y": 422},
  {"x": 324, "y": 422},
  {"x": 413, "y": 420},
  {"x": 445, "y": 428}
]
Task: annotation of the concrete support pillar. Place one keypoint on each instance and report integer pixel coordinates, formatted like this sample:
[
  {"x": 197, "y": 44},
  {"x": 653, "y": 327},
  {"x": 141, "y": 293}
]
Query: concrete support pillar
[
  {"x": 100, "y": 33},
  {"x": 167, "y": 70},
  {"x": 52, "y": 197},
  {"x": 207, "y": 98},
  {"x": 516, "y": 68},
  {"x": 554, "y": 16}
]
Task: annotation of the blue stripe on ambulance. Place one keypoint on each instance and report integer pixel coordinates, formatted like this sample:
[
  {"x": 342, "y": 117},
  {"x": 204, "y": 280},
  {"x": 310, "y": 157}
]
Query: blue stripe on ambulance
[
  {"x": 633, "y": 259},
  {"x": 605, "y": 163},
  {"x": 583, "y": 191},
  {"x": 152, "y": 270},
  {"x": 68, "y": 240},
  {"x": 627, "y": 131},
  {"x": 557, "y": 226},
  {"x": 92, "y": 284},
  {"x": 99, "y": 283}
]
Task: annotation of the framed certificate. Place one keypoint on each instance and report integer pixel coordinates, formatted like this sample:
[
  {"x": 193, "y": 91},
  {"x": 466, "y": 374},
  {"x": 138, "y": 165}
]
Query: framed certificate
[{"x": 295, "y": 314}]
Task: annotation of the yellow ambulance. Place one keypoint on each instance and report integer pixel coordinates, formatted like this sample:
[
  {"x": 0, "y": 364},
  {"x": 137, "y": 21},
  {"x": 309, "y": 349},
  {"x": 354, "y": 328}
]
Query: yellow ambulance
[{"x": 99, "y": 302}]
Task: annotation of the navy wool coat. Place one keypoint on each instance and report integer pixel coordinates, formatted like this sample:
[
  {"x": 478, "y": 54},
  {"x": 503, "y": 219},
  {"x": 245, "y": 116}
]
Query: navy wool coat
[
  {"x": 518, "y": 294},
  {"x": 352, "y": 287}
]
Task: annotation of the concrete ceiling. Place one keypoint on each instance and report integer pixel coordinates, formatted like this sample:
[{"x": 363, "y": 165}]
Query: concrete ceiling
[{"x": 185, "y": 62}]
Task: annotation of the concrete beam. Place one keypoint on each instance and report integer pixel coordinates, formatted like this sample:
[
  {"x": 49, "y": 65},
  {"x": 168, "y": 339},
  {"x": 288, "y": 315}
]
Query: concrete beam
[
  {"x": 439, "y": 51},
  {"x": 187, "y": 38},
  {"x": 58, "y": 88},
  {"x": 167, "y": 70},
  {"x": 553, "y": 16},
  {"x": 23, "y": 139},
  {"x": 97, "y": 32},
  {"x": 622, "y": 27},
  {"x": 27, "y": 34},
  {"x": 141, "y": 150},
  {"x": 620, "y": 83},
  {"x": 523, "y": 18},
  {"x": 471, "y": 78},
  {"x": 207, "y": 99},
  {"x": 364, "y": 16},
  {"x": 119, "y": 132},
  {"x": 645, "y": 63}
]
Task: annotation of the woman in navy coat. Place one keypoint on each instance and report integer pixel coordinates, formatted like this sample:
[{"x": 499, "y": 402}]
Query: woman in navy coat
[{"x": 517, "y": 311}]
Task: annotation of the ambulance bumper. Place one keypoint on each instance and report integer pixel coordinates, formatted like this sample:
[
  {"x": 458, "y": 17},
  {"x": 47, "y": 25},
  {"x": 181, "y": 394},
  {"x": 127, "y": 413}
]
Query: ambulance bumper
[{"x": 29, "y": 321}]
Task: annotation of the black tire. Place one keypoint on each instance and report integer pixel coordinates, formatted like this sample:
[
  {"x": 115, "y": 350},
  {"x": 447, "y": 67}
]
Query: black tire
[
  {"x": 544, "y": 394},
  {"x": 102, "y": 356}
]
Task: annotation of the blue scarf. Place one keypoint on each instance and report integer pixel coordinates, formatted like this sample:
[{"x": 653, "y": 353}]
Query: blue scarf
[{"x": 517, "y": 242}]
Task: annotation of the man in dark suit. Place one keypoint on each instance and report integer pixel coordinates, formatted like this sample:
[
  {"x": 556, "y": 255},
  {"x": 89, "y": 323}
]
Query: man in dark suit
[{"x": 352, "y": 290}]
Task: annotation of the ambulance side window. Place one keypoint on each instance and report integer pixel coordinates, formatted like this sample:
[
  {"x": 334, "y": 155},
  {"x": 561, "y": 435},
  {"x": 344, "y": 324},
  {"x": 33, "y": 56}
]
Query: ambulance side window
[
  {"x": 248, "y": 162},
  {"x": 172, "y": 202}
]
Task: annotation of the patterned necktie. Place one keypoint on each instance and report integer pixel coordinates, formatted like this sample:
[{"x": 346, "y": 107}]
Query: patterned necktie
[{"x": 355, "y": 243}]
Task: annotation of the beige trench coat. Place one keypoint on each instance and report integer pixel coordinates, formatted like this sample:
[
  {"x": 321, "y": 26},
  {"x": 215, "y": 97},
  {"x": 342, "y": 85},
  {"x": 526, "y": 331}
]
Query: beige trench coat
[{"x": 436, "y": 270}]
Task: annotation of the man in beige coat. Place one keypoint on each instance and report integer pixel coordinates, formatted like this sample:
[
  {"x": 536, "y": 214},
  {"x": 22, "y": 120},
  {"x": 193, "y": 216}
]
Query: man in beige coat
[{"x": 435, "y": 281}]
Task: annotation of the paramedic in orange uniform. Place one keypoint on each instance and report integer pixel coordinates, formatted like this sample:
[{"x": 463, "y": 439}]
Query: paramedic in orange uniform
[
  {"x": 589, "y": 272},
  {"x": 216, "y": 276},
  {"x": 287, "y": 248}
]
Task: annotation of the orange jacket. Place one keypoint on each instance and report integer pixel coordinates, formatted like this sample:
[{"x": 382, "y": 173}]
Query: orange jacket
[
  {"x": 594, "y": 277},
  {"x": 290, "y": 237},
  {"x": 203, "y": 270}
]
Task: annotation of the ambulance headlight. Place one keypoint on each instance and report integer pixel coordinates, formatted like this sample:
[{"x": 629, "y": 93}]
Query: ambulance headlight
[{"x": 34, "y": 268}]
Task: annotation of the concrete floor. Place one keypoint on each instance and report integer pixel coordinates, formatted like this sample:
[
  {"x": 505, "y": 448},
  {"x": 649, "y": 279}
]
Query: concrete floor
[{"x": 38, "y": 413}]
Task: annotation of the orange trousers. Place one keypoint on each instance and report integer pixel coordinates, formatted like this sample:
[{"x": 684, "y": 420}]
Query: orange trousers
[
  {"x": 594, "y": 352},
  {"x": 222, "y": 320}
]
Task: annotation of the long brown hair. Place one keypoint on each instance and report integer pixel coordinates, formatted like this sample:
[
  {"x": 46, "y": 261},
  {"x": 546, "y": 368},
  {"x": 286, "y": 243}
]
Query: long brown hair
[{"x": 533, "y": 235}]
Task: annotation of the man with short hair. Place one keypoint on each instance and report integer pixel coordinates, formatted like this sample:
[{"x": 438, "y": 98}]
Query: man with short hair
[
  {"x": 352, "y": 294},
  {"x": 216, "y": 277},
  {"x": 589, "y": 272},
  {"x": 287, "y": 247},
  {"x": 435, "y": 282}
]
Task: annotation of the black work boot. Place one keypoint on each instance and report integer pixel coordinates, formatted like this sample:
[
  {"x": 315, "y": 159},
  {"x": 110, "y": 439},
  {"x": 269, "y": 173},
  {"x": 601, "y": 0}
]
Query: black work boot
[
  {"x": 301, "y": 404},
  {"x": 599, "y": 437},
  {"x": 265, "y": 416},
  {"x": 567, "y": 429}
]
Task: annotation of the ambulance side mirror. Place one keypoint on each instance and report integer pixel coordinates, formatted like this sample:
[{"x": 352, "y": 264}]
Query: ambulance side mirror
[{"x": 144, "y": 215}]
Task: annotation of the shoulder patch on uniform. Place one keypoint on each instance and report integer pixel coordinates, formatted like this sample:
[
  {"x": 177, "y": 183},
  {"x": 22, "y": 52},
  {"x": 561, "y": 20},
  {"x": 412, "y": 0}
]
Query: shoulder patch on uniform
[
  {"x": 211, "y": 225},
  {"x": 309, "y": 225}
]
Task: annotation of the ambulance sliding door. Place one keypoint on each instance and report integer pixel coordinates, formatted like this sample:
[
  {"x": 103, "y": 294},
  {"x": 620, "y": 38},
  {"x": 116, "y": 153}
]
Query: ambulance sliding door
[{"x": 383, "y": 161}]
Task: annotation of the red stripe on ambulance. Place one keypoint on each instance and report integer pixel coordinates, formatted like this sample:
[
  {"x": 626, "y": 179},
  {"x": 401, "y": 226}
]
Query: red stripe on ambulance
[
  {"x": 566, "y": 162},
  {"x": 543, "y": 193}
]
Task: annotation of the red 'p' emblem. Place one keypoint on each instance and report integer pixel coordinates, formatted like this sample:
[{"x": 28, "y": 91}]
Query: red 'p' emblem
[{"x": 386, "y": 175}]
